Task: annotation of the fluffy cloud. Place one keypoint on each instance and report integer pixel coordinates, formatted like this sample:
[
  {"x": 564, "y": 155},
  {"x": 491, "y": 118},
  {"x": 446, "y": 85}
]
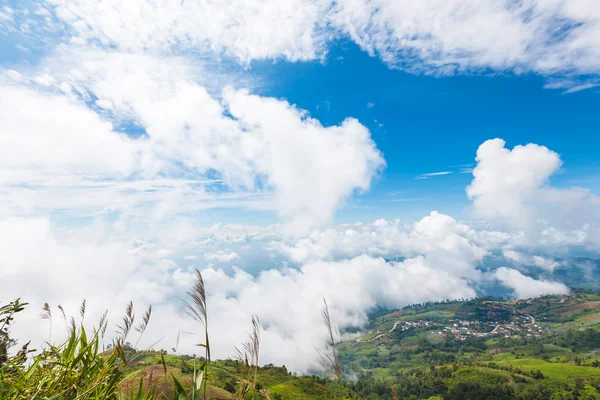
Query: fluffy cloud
[
  {"x": 527, "y": 287},
  {"x": 233, "y": 148},
  {"x": 512, "y": 187},
  {"x": 507, "y": 181},
  {"x": 59, "y": 135},
  {"x": 433, "y": 233},
  {"x": 46, "y": 265},
  {"x": 109, "y": 271},
  {"x": 288, "y": 301},
  {"x": 302, "y": 158}
]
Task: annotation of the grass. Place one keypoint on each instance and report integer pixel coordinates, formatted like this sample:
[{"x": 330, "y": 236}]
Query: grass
[
  {"x": 78, "y": 369},
  {"x": 551, "y": 370},
  {"x": 75, "y": 369}
]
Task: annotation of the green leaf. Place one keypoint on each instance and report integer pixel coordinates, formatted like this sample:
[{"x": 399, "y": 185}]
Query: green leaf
[
  {"x": 179, "y": 390},
  {"x": 141, "y": 389}
]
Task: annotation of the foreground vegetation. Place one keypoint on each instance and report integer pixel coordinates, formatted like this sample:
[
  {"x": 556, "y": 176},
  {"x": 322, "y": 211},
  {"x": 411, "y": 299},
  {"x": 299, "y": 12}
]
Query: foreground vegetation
[{"x": 486, "y": 348}]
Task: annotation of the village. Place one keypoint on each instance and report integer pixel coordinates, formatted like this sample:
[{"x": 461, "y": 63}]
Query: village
[
  {"x": 491, "y": 324},
  {"x": 521, "y": 325}
]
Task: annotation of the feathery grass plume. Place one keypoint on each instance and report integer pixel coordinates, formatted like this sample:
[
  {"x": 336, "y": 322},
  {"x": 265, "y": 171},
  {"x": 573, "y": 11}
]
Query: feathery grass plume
[
  {"x": 63, "y": 315},
  {"x": 128, "y": 321},
  {"x": 82, "y": 310},
  {"x": 47, "y": 314},
  {"x": 145, "y": 319},
  {"x": 248, "y": 360},
  {"x": 103, "y": 323},
  {"x": 331, "y": 363},
  {"x": 73, "y": 327},
  {"x": 196, "y": 308},
  {"x": 141, "y": 328},
  {"x": 177, "y": 341}
]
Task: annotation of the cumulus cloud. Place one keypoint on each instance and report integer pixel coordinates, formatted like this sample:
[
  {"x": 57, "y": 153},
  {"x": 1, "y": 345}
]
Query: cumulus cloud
[
  {"x": 434, "y": 233},
  {"x": 513, "y": 187},
  {"x": 526, "y": 287},
  {"x": 302, "y": 158},
  {"x": 256, "y": 147}
]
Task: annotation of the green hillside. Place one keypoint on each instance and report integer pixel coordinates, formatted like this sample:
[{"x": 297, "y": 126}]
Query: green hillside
[
  {"x": 484, "y": 348},
  {"x": 549, "y": 345},
  {"x": 546, "y": 348}
]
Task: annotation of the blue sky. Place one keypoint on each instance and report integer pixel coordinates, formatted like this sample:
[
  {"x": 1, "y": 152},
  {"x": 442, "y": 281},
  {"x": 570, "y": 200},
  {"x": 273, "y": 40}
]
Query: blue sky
[
  {"x": 426, "y": 124},
  {"x": 293, "y": 150}
]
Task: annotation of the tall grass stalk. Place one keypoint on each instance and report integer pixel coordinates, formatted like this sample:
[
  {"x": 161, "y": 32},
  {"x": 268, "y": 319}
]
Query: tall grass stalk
[
  {"x": 47, "y": 315},
  {"x": 248, "y": 361},
  {"x": 330, "y": 360},
  {"x": 196, "y": 308}
]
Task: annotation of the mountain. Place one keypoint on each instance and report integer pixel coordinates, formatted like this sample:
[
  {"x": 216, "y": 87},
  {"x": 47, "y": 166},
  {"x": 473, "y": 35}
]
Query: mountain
[{"x": 483, "y": 348}]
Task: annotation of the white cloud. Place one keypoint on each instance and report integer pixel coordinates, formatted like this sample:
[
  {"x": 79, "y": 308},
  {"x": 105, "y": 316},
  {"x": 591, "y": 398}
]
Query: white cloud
[
  {"x": 533, "y": 260},
  {"x": 570, "y": 85},
  {"x": 434, "y": 234},
  {"x": 554, "y": 38},
  {"x": 222, "y": 256},
  {"x": 440, "y": 260},
  {"x": 109, "y": 271},
  {"x": 288, "y": 301},
  {"x": 513, "y": 186},
  {"x": 59, "y": 135},
  {"x": 244, "y": 29},
  {"x": 527, "y": 287},
  {"x": 439, "y": 263},
  {"x": 546, "y": 37},
  {"x": 266, "y": 152},
  {"x": 430, "y": 174},
  {"x": 302, "y": 158}
]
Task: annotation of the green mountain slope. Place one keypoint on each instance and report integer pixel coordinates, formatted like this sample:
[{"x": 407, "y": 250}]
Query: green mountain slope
[{"x": 485, "y": 348}]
